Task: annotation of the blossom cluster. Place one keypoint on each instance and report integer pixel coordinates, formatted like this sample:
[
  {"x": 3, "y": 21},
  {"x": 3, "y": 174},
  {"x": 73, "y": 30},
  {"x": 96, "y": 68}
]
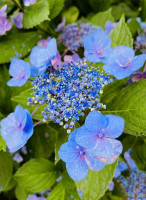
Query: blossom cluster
[
  {"x": 93, "y": 145},
  {"x": 140, "y": 42},
  {"x": 68, "y": 91}
]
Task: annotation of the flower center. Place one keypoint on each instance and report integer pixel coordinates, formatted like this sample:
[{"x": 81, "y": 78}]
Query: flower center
[
  {"x": 82, "y": 153},
  {"x": 100, "y": 135}
]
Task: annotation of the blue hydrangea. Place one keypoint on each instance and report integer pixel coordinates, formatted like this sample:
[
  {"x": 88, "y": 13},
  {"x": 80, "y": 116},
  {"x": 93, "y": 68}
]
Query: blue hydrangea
[
  {"x": 40, "y": 57},
  {"x": 78, "y": 159},
  {"x": 97, "y": 46},
  {"x": 111, "y": 186},
  {"x": 17, "y": 128},
  {"x": 17, "y": 20},
  {"x": 29, "y": 2},
  {"x": 34, "y": 197},
  {"x": 99, "y": 132},
  {"x": 140, "y": 43},
  {"x": 68, "y": 92},
  {"x": 20, "y": 72},
  {"x": 122, "y": 62},
  {"x": 109, "y": 26},
  {"x": 73, "y": 35},
  {"x": 5, "y": 25},
  {"x": 131, "y": 163}
]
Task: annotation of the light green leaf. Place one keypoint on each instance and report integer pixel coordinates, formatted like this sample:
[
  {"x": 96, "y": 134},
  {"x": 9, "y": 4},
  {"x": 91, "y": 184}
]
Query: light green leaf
[
  {"x": 71, "y": 15},
  {"x": 21, "y": 99},
  {"x": 129, "y": 103},
  {"x": 100, "y": 18},
  {"x": 58, "y": 193},
  {"x": 6, "y": 168},
  {"x": 95, "y": 184},
  {"x": 56, "y": 8},
  {"x": 20, "y": 193},
  {"x": 35, "y": 14},
  {"x": 36, "y": 175},
  {"x": 121, "y": 34},
  {"x": 16, "y": 42}
]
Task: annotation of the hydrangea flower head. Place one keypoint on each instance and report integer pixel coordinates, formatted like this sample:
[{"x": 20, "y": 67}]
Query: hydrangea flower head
[
  {"x": 17, "y": 128},
  {"x": 17, "y": 20},
  {"x": 97, "y": 46},
  {"x": 29, "y": 2},
  {"x": 68, "y": 91},
  {"x": 122, "y": 62},
  {"x": 109, "y": 26},
  {"x": 122, "y": 166},
  {"x": 40, "y": 57},
  {"x": 78, "y": 159},
  {"x": 73, "y": 35},
  {"x": 5, "y": 25},
  {"x": 99, "y": 132},
  {"x": 20, "y": 72},
  {"x": 140, "y": 43}
]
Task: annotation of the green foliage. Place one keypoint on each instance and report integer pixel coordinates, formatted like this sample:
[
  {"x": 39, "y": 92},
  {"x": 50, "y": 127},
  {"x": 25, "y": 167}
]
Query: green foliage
[
  {"x": 56, "y": 7},
  {"x": 119, "y": 9},
  {"x": 71, "y": 15},
  {"x": 35, "y": 14},
  {"x": 20, "y": 193},
  {"x": 58, "y": 193},
  {"x": 36, "y": 175},
  {"x": 43, "y": 141},
  {"x": 16, "y": 41},
  {"x": 21, "y": 99},
  {"x": 95, "y": 184},
  {"x": 121, "y": 34},
  {"x": 2, "y": 144},
  {"x": 139, "y": 156},
  {"x": 129, "y": 103},
  {"x": 100, "y": 18},
  {"x": 134, "y": 26},
  {"x": 100, "y": 5},
  {"x": 6, "y": 168}
]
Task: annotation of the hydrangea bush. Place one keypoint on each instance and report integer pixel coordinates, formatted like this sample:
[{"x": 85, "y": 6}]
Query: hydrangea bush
[{"x": 73, "y": 103}]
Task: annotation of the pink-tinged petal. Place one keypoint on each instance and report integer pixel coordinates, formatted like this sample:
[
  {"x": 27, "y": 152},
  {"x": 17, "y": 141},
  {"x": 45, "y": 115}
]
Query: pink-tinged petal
[
  {"x": 86, "y": 138},
  {"x": 78, "y": 169},
  {"x": 95, "y": 121},
  {"x": 115, "y": 126},
  {"x": 108, "y": 150}
]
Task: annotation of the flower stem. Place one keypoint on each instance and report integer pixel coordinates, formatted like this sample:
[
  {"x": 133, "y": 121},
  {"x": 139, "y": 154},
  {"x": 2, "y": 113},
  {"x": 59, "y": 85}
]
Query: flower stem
[
  {"x": 90, "y": 64},
  {"x": 18, "y": 5},
  {"x": 65, "y": 52},
  {"x": 35, "y": 109},
  {"x": 37, "y": 123}
]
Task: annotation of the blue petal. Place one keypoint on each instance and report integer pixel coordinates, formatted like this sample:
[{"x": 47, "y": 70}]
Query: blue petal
[
  {"x": 95, "y": 121},
  {"x": 86, "y": 138},
  {"x": 122, "y": 166},
  {"x": 107, "y": 150},
  {"x": 52, "y": 48},
  {"x": 129, "y": 160},
  {"x": 20, "y": 115},
  {"x": 92, "y": 57},
  {"x": 78, "y": 169},
  {"x": 34, "y": 71},
  {"x": 117, "y": 172},
  {"x": 115, "y": 126},
  {"x": 38, "y": 56},
  {"x": 68, "y": 152},
  {"x": 72, "y": 136},
  {"x": 28, "y": 128},
  {"x": 137, "y": 62},
  {"x": 17, "y": 67},
  {"x": 93, "y": 163}
]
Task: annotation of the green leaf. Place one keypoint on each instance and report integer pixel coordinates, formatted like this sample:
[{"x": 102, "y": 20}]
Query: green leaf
[
  {"x": 139, "y": 156},
  {"x": 95, "y": 184},
  {"x": 56, "y": 8},
  {"x": 134, "y": 26},
  {"x": 35, "y": 14},
  {"x": 100, "y": 5},
  {"x": 43, "y": 141},
  {"x": 36, "y": 175},
  {"x": 21, "y": 99},
  {"x": 6, "y": 169},
  {"x": 61, "y": 138},
  {"x": 100, "y": 18},
  {"x": 2, "y": 144},
  {"x": 121, "y": 34},
  {"x": 58, "y": 193},
  {"x": 121, "y": 8},
  {"x": 20, "y": 193},
  {"x": 129, "y": 103},
  {"x": 71, "y": 15},
  {"x": 17, "y": 42}
]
